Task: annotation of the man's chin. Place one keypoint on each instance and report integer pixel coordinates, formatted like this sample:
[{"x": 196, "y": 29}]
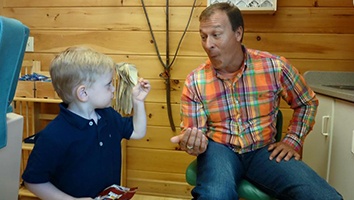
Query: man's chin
[{"x": 216, "y": 65}]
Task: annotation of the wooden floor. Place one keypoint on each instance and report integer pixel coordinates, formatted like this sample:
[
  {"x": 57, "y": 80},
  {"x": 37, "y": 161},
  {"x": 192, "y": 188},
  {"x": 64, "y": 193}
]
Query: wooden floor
[
  {"x": 136, "y": 197},
  {"x": 146, "y": 197},
  {"x": 24, "y": 194}
]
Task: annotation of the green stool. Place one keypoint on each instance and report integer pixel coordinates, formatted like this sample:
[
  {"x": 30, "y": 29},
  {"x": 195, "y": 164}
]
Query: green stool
[{"x": 246, "y": 190}]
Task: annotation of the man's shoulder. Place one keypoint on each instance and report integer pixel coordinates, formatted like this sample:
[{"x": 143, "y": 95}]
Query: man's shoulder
[
  {"x": 255, "y": 53},
  {"x": 258, "y": 56},
  {"x": 201, "y": 69}
]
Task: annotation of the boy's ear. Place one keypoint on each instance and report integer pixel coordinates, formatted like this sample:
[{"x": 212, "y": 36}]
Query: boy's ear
[{"x": 81, "y": 93}]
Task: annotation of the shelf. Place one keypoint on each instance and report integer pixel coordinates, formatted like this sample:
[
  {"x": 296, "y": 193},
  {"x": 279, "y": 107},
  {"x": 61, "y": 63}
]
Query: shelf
[
  {"x": 38, "y": 100},
  {"x": 25, "y": 193},
  {"x": 27, "y": 146}
]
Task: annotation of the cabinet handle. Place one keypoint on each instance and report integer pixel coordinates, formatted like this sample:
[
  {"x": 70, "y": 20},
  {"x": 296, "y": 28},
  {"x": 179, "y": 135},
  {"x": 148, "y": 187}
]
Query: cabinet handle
[
  {"x": 353, "y": 143},
  {"x": 325, "y": 125}
]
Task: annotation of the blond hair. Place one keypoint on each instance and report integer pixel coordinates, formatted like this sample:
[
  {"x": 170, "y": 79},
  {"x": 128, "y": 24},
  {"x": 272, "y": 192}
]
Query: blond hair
[{"x": 75, "y": 66}]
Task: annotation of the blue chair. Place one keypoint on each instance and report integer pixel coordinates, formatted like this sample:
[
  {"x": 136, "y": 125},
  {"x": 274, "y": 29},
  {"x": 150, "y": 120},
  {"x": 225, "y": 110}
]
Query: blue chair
[
  {"x": 246, "y": 190},
  {"x": 13, "y": 40}
]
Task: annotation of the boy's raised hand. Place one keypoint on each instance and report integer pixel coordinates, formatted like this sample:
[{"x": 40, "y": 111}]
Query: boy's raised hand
[{"x": 141, "y": 90}]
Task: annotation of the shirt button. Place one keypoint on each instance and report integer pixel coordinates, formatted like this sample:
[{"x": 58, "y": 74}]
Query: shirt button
[
  {"x": 101, "y": 144},
  {"x": 91, "y": 123}
]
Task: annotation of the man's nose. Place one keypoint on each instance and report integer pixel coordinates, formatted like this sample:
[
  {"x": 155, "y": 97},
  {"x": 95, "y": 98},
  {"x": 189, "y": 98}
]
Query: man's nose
[{"x": 209, "y": 43}]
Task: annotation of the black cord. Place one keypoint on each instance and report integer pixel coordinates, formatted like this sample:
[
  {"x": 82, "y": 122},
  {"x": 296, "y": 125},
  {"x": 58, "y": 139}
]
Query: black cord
[
  {"x": 184, "y": 33},
  {"x": 180, "y": 41},
  {"x": 167, "y": 65},
  {"x": 152, "y": 34}
]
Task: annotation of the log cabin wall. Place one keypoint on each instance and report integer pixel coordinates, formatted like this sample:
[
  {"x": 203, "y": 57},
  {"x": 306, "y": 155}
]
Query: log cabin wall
[{"x": 312, "y": 34}]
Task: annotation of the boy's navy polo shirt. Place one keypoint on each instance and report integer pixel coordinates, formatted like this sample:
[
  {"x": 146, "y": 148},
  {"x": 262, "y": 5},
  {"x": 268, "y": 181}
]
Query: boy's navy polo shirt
[{"x": 77, "y": 156}]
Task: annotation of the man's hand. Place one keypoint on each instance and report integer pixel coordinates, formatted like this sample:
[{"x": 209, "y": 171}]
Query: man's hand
[
  {"x": 193, "y": 141},
  {"x": 281, "y": 151}
]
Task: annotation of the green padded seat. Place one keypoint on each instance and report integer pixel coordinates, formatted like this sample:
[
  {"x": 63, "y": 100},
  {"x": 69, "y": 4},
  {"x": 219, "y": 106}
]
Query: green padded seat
[{"x": 246, "y": 190}]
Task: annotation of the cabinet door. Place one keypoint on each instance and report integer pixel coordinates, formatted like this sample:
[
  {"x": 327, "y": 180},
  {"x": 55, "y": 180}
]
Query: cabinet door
[
  {"x": 341, "y": 174},
  {"x": 316, "y": 150}
]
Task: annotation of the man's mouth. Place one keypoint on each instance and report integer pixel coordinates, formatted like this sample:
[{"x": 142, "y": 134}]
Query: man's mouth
[{"x": 213, "y": 56}]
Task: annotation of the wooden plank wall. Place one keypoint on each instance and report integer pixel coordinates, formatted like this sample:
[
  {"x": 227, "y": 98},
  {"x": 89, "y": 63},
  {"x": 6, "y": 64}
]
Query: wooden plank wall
[{"x": 312, "y": 34}]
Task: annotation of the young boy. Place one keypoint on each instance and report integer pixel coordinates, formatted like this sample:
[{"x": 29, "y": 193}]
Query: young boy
[{"x": 79, "y": 153}]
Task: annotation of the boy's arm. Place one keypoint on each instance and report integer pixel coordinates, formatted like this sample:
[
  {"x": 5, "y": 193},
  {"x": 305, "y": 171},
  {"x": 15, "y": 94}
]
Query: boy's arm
[
  {"x": 47, "y": 191},
  {"x": 140, "y": 91},
  {"x": 139, "y": 120}
]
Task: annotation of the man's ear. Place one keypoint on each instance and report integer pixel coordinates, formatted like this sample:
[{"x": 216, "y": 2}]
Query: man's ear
[
  {"x": 239, "y": 34},
  {"x": 81, "y": 93}
]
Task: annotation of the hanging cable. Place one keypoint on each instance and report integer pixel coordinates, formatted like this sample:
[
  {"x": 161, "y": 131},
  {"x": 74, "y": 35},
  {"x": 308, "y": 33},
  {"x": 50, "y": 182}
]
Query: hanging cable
[
  {"x": 168, "y": 64},
  {"x": 167, "y": 69}
]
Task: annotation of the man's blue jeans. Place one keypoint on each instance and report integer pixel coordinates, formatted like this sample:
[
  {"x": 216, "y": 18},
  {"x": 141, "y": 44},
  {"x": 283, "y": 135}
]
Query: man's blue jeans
[{"x": 220, "y": 170}]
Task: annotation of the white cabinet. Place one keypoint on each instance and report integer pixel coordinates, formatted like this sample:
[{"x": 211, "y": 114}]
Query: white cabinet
[
  {"x": 329, "y": 148},
  {"x": 341, "y": 174},
  {"x": 10, "y": 157},
  {"x": 316, "y": 151}
]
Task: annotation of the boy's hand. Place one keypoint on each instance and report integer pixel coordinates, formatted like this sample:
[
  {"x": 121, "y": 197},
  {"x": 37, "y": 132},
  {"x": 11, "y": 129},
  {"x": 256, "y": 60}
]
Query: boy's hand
[{"x": 141, "y": 90}]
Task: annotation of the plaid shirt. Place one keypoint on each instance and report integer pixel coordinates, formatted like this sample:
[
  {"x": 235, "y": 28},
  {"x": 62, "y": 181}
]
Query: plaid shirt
[{"x": 242, "y": 112}]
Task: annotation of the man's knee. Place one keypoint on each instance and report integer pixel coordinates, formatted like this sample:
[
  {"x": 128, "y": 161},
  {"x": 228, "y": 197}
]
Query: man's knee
[{"x": 215, "y": 192}]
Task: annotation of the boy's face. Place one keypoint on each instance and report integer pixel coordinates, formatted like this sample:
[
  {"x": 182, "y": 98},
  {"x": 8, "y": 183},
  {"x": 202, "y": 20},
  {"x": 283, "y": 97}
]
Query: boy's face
[{"x": 101, "y": 92}]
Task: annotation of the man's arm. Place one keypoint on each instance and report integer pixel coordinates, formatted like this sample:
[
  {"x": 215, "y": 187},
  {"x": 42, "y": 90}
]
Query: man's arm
[{"x": 303, "y": 101}]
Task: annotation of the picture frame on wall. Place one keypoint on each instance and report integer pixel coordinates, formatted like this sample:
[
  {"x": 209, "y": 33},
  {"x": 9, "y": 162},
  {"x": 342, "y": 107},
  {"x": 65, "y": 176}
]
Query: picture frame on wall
[{"x": 251, "y": 6}]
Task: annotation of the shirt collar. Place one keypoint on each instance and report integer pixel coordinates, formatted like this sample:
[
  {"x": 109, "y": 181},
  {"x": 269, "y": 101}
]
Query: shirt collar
[{"x": 74, "y": 119}]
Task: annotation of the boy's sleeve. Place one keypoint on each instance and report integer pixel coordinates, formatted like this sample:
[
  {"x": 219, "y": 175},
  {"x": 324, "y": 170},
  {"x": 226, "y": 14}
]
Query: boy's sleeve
[{"x": 42, "y": 160}]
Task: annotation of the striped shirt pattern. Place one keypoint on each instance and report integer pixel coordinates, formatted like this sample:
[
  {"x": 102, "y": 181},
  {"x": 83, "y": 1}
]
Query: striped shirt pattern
[{"x": 242, "y": 112}]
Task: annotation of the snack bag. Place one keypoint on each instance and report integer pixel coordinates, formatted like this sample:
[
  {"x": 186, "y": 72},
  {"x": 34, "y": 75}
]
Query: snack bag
[{"x": 116, "y": 192}]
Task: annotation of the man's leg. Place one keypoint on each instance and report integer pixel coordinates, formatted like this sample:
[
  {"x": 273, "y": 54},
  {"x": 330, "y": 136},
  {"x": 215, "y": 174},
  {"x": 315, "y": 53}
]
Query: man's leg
[
  {"x": 287, "y": 179},
  {"x": 219, "y": 169}
]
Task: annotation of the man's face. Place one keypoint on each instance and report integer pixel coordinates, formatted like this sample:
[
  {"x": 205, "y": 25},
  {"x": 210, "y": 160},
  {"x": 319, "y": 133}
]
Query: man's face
[{"x": 219, "y": 41}]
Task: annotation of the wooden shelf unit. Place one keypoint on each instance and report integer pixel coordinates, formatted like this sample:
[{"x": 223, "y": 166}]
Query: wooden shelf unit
[
  {"x": 31, "y": 109},
  {"x": 31, "y": 101}
]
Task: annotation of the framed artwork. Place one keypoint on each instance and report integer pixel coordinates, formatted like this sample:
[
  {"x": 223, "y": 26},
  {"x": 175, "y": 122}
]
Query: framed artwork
[{"x": 252, "y": 6}]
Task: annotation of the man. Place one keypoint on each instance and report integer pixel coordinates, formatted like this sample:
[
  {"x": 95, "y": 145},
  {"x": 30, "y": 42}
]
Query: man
[{"x": 229, "y": 107}]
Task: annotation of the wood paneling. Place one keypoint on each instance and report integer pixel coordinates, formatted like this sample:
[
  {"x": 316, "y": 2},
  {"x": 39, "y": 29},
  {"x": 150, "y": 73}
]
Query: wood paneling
[
  {"x": 315, "y": 3},
  {"x": 290, "y": 45},
  {"x": 98, "y": 3},
  {"x": 150, "y": 68},
  {"x": 303, "y": 20},
  {"x": 286, "y": 20},
  {"x": 156, "y": 138},
  {"x": 168, "y": 161},
  {"x": 161, "y": 3},
  {"x": 312, "y": 34}
]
